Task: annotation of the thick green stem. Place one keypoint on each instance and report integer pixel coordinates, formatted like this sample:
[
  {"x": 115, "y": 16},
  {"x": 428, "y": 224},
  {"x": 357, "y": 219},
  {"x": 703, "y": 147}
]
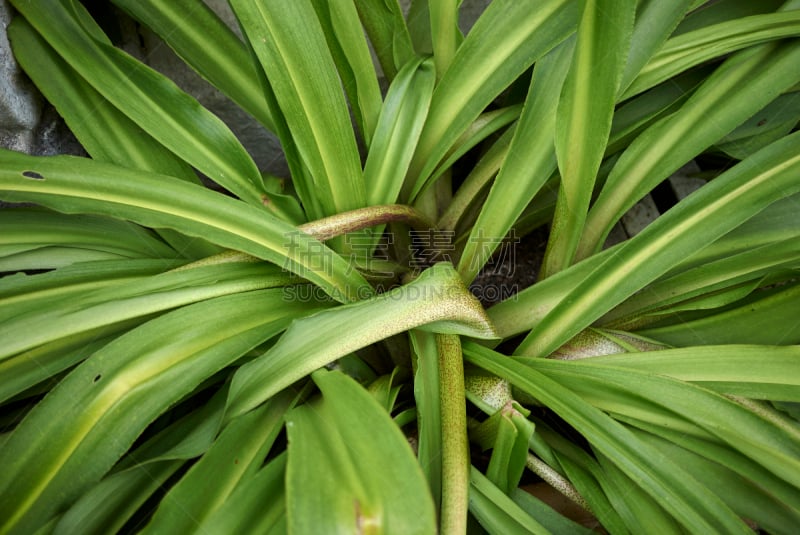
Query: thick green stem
[{"x": 455, "y": 448}]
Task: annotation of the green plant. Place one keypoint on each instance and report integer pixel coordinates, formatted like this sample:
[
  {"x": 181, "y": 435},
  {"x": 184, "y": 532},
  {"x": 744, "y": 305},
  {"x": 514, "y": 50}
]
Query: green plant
[{"x": 177, "y": 359}]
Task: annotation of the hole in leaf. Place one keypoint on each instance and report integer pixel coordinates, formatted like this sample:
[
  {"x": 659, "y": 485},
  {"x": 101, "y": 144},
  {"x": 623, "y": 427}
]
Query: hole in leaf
[
  {"x": 32, "y": 174},
  {"x": 97, "y": 377}
]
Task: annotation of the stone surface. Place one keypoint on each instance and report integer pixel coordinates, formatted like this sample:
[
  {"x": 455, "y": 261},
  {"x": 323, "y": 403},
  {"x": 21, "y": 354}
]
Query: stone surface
[{"x": 20, "y": 105}]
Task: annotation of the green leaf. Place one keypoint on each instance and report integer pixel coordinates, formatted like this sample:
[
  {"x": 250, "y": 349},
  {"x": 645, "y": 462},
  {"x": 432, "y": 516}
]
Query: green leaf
[
  {"x": 26, "y": 229},
  {"x": 699, "y": 219},
  {"x": 764, "y": 317},
  {"x": 427, "y": 394},
  {"x": 743, "y": 496},
  {"x": 760, "y": 372},
  {"x": 583, "y": 119},
  {"x": 22, "y": 292},
  {"x": 745, "y": 269},
  {"x": 639, "y": 113},
  {"x": 234, "y": 458},
  {"x": 740, "y": 87},
  {"x": 120, "y": 140},
  {"x": 638, "y": 394},
  {"x": 148, "y": 98},
  {"x": 444, "y": 32},
  {"x": 258, "y": 505},
  {"x": 693, "y": 48},
  {"x": 585, "y": 473},
  {"x": 74, "y": 436},
  {"x": 483, "y": 127},
  {"x": 779, "y": 491},
  {"x": 107, "y": 506},
  {"x": 350, "y": 468},
  {"x": 402, "y": 116},
  {"x": 384, "y": 23},
  {"x": 636, "y": 508},
  {"x": 462, "y": 205},
  {"x": 689, "y": 502},
  {"x": 495, "y": 511},
  {"x": 289, "y": 42},
  {"x": 551, "y": 520},
  {"x": 71, "y": 315},
  {"x": 436, "y": 301},
  {"x": 654, "y": 22},
  {"x": 80, "y": 185},
  {"x": 773, "y": 122},
  {"x": 348, "y": 45},
  {"x": 527, "y": 164},
  {"x": 507, "y": 38},
  {"x": 207, "y": 45},
  {"x": 512, "y": 432},
  {"x": 35, "y": 366}
]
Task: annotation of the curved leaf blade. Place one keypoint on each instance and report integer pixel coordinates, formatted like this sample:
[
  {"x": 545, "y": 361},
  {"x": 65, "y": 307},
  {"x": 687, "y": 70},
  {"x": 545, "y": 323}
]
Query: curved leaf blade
[
  {"x": 701, "y": 218},
  {"x": 350, "y": 467},
  {"x": 583, "y": 119},
  {"x": 148, "y": 98},
  {"x": 79, "y": 185},
  {"x": 74, "y": 436},
  {"x": 289, "y": 42},
  {"x": 508, "y": 37},
  {"x": 692, "y": 504},
  {"x": 206, "y": 44},
  {"x": 437, "y": 300},
  {"x": 744, "y": 84}
]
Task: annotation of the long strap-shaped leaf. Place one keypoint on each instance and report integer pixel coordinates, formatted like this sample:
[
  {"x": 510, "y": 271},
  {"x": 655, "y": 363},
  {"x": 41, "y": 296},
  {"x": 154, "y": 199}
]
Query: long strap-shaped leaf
[
  {"x": 71, "y": 185},
  {"x": 74, "y": 436},
  {"x": 402, "y": 116},
  {"x": 348, "y": 45},
  {"x": 288, "y": 40},
  {"x": 740, "y": 87},
  {"x": 110, "y": 504},
  {"x": 70, "y": 315},
  {"x": 583, "y": 119},
  {"x": 151, "y": 100},
  {"x": 120, "y": 140},
  {"x": 384, "y": 23},
  {"x": 697, "y": 508},
  {"x": 701, "y": 218},
  {"x": 444, "y": 32},
  {"x": 761, "y": 372},
  {"x": 693, "y": 48},
  {"x": 508, "y": 37},
  {"x": 31, "y": 228},
  {"x": 247, "y": 439},
  {"x": 350, "y": 466},
  {"x": 206, "y": 44},
  {"x": 635, "y": 394},
  {"x": 654, "y": 22},
  {"x": 437, "y": 297},
  {"x": 529, "y": 162}
]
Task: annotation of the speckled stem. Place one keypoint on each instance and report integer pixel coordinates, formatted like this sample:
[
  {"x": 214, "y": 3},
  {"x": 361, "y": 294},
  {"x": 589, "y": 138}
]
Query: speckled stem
[
  {"x": 455, "y": 447},
  {"x": 555, "y": 480},
  {"x": 335, "y": 225},
  {"x": 354, "y": 220}
]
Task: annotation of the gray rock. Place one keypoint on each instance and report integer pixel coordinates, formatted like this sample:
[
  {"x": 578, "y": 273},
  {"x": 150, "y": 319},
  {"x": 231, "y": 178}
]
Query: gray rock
[{"x": 20, "y": 104}]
